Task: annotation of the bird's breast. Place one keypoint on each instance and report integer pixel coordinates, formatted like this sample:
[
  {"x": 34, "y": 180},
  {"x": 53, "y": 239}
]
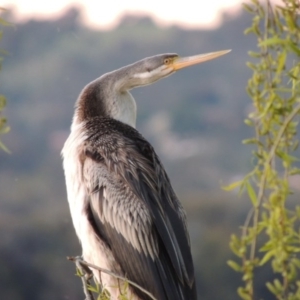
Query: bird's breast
[{"x": 72, "y": 164}]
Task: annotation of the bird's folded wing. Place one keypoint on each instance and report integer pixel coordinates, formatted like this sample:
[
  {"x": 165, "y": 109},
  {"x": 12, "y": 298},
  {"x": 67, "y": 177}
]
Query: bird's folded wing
[{"x": 137, "y": 213}]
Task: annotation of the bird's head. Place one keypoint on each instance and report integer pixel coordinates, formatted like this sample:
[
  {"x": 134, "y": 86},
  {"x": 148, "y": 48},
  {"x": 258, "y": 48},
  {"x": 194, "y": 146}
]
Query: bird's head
[
  {"x": 109, "y": 94},
  {"x": 151, "y": 69}
]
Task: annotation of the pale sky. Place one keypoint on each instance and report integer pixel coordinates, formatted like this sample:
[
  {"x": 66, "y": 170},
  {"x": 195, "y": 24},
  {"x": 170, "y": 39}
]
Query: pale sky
[{"x": 189, "y": 13}]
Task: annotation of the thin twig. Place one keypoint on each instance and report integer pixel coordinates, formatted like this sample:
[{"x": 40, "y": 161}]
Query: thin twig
[
  {"x": 84, "y": 263},
  {"x": 86, "y": 276}
]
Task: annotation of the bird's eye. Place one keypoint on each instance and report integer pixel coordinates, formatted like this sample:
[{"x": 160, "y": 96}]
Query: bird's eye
[{"x": 167, "y": 61}]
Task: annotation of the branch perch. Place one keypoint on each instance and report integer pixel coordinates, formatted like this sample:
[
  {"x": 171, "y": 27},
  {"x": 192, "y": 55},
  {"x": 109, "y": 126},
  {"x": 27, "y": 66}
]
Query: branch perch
[{"x": 85, "y": 266}]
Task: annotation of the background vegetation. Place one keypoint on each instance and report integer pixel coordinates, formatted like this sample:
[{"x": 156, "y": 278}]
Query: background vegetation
[
  {"x": 3, "y": 126},
  {"x": 270, "y": 236},
  {"x": 194, "y": 119}
]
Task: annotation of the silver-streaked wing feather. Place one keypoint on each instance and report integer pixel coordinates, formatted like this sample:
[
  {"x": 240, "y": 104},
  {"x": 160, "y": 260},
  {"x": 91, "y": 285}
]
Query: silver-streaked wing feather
[
  {"x": 135, "y": 210},
  {"x": 120, "y": 208}
]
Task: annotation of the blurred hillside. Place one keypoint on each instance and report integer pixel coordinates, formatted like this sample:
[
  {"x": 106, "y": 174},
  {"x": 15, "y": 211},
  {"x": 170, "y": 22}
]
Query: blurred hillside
[{"x": 194, "y": 119}]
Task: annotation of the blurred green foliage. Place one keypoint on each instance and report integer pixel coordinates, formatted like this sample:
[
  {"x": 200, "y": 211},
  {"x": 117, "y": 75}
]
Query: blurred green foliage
[
  {"x": 3, "y": 126},
  {"x": 270, "y": 235}
]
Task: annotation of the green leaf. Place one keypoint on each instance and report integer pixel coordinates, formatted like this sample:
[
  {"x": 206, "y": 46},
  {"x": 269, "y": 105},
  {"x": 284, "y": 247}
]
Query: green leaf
[
  {"x": 243, "y": 293},
  {"x": 235, "y": 246},
  {"x": 235, "y": 266},
  {"x": 294, "y": 48},
  {"x": 2, "y": 101},
  {"x": 251, "y": 141},
  {"x": 4, "y": 148},
  {"x": 286, "y": 157},
  {"x": 271, "y": 288},
  {"x": 254, "y": 54},
  {"x": 251, "y": 193},
  {"x": 294, "y": 171},
  {"x": 272, "y": 42},
  {"x": 248, "y": 122},
  {"x": 232, "y": 186},
  {"x": 248, "y": 8},
  {"x": 93, "y": 289},
  {"x": 267, "y": 257},
  {"x": 251, "y": 65},
  {"x": 248, "y": 30},
  {"x": 281, "y": 62},
  {"x": 278, "y": 285},
  {"x": 268, "y": 245}
]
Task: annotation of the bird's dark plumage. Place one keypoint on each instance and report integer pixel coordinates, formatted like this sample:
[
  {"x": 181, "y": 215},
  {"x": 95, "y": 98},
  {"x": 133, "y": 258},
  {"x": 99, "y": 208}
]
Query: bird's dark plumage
[{"x": 149, "y": 240}]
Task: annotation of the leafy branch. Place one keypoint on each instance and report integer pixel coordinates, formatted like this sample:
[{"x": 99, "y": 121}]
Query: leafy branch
[
  {"x": 270, "y": 234},
  {"x": 83, "y": 270}
]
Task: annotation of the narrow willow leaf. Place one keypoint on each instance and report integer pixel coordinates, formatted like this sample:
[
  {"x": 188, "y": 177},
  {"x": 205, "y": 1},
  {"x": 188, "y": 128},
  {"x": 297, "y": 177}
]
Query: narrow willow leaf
[
  {"x": 281, "y": 61},
  {"x": 232, "y": 186},
  {"x": 4, "y": 148},
  {"x": 93, "y": 289},
  {"x": 266, "y": 109},
  {"x": 242, "y": 292},
  {"x": 2, "y": 101},
  {"x": 267, "y": 257},
  {"x": 268, "y": 245},
  {"x": 272, "y": 42},
  {"x": 251, "y": 141},
  {"x": 271, "y": 288},
  {"x": 235, "y": 266},
  {"x": 278, "y": 285},
  {"x": 248, "y": 122},
  {"x": 248, "y": 30},
  {"x": 286, "y": 157},
  {"x": 256, "y": 29},
  {"x": 294, "y": 48},
  {"x": 290, "y": 21},
  {"x": 235, "y": 245},
  {"x": 251, "y": 65},
  {"x": 251, "y": 193},
  {"x": 254, "y": 54},
  {"x": 248, "y": 8}
]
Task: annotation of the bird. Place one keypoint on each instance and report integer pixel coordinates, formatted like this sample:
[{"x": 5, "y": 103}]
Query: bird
[{"x": 123, "y": 207}]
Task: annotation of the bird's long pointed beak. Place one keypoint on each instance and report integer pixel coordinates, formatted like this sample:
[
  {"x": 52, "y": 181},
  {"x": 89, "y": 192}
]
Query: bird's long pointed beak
[{"x": 183, "y": 62}]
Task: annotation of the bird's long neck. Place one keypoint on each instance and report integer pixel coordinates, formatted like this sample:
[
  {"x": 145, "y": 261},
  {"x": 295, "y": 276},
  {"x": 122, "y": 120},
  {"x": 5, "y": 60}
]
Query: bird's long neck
[{"x": 106, "y": 98}]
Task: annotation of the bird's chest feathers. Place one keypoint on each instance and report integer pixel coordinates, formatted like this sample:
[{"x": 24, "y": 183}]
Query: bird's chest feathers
[{"x": 124, "y": 108}]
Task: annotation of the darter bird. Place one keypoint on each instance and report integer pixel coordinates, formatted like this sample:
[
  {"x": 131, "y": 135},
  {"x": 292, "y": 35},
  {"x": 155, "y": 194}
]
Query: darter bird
[{"x": 124, "y": 209}]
